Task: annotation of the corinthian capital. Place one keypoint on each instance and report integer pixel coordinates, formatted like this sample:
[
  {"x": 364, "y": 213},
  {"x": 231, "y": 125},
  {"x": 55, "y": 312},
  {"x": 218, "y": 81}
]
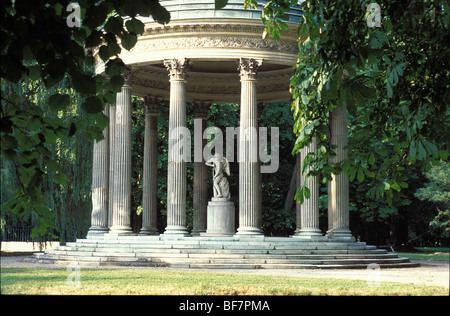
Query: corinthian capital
[
  {"x": 129, "y": 75},
  {"x": 151, "y": 104},
  {"x": 177, "y": 67},
  {"x": 248, "y": 67}
]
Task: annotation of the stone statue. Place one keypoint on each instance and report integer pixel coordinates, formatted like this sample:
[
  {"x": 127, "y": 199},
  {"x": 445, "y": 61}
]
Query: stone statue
[
  {"x": 220, "y": 182},
  {"x": 221, "y": 211}
]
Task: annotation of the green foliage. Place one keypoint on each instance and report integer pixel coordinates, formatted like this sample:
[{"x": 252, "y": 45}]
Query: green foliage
[
  {"x": 395, "y": 84},
  {"x": 437, "y": 191},
  {"x": 274, "y": 16},
  {"x": 393, "y": 79},
  {"x": 65, "y": 184},
  {"x": 138, "y": 135},
  {"x": 53, "y": 281},
  {"x": 275, "y": 186},
  {"x": 38, "y": 44}
]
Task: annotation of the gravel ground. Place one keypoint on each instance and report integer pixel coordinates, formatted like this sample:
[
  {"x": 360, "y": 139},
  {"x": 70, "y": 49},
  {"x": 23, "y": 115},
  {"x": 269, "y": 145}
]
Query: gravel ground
[{"x": 432, "y": 273}]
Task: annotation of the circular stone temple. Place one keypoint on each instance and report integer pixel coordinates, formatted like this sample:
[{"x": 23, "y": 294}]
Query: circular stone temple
[
  {"x": 212, "y": 41},
  {"x": 202, "y": 56}
]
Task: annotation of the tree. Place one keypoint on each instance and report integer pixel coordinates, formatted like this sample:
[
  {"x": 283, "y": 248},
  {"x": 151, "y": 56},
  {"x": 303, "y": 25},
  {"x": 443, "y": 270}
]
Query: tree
[
  {"x": 70, "y": 203},
  {"x": 437, "y": 191},
  {"x": 393, "y": 78},
  {"x": 387, "y": 62},
  {"x": 42, "y": 41}
]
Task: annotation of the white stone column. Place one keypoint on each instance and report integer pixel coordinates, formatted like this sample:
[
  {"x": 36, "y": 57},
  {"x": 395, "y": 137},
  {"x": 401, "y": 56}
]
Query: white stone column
[
  {"x": 298, "y": 181},
  {"x": 176, "y": 177},
  {"x": 112, "y": 128},
  {"x": 200, "y": 202},
  {"x": 338, "y": 187},
  {"x": 249, "y": 166},
  {"x": 261, "y": 106},
  {"x": 309, "y": 210},
  {"x": 100, "y": 184},
  {"x": 122, "y": 161},
  {"x": 150, "y": 172}
]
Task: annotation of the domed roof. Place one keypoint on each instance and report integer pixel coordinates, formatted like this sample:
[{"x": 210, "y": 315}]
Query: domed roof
[
  {"x": 200, "y": 9},
  {"x": 213, "y": 41}
]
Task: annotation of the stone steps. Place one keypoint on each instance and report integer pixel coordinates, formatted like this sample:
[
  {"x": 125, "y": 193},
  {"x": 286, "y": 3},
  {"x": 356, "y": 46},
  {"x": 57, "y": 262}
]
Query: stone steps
[
  {"x": 205, "y": 264},
  {"x": 184, "y": 258},
  {"x": 219, "y": 253}
]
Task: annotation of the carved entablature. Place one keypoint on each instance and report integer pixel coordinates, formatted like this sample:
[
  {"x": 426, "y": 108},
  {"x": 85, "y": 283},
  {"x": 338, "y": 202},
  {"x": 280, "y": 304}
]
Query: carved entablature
[
  {"x": 205, "y": 28},
  {"x": 224, "y": 87},
  {"x": 216, "y": 42},
  {"x": 222, "y": 35}
]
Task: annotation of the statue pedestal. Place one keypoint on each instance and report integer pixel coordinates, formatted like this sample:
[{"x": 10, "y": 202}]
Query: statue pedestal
[{"x": 220, "y": 218}]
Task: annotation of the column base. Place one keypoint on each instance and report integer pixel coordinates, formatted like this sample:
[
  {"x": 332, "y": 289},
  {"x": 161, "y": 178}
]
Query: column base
[
  {"x": 198, "y": 232},
  {"x": 97, "y": 231},
  {"x": 340, "y": 235},
  {"x": 121, "y": 230},
  {"x": 312, "y": 238},
  {"x": 148, "y": 231},
  {"x": 308, "y": 232},
  {"x": 249, "y": 231},
  {"x": 176, "y": 230}
]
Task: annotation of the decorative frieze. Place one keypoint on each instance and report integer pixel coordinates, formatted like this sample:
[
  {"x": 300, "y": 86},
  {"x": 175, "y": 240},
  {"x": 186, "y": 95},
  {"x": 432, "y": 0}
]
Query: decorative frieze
[{"x": 216, "y": 42}]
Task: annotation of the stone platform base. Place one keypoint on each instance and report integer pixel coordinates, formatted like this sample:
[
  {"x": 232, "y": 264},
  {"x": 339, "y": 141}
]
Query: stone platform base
[
  {"x": 220, "y": 219},
  {"x": 236, "y": 252}
]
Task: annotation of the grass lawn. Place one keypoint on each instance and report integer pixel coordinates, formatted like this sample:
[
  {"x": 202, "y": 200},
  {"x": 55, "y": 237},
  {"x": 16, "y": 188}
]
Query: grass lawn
[
  {"x": 428, "y": 253},
  {"x": 44, "y": 281}
]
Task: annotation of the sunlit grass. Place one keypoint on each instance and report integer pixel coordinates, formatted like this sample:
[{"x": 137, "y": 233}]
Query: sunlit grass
[
  {"x": 168, "y": 282},
  {"x": 428, "y": 253}
]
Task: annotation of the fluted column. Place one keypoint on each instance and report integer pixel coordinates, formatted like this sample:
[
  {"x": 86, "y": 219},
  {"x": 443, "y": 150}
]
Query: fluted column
[
  {"x": 112, "y": 128},
  {"x": 298, "y": 181},
  {"x": 150, "y": 177},
  {"x": 200, "y": 202},
  {"x": 261, "y": 106},
  {"x": 122, "y": 161},
  {"x": 338, "y": 187},
  {"x": 100, "y": 184},
  {"x": 309, "y": 210},
  {"x": 249, "y": 166},
  {"x": 176, "y": 178}
]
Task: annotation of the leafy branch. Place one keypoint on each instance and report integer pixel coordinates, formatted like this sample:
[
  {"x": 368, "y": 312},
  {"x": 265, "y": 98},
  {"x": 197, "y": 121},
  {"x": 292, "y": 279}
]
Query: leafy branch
[{"x": 39, "y": 44}]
